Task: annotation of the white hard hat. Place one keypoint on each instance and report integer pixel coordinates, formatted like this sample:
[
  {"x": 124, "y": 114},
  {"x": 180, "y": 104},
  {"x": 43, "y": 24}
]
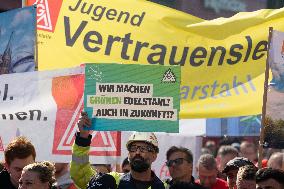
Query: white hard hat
[{"x": 149, "y": 138}]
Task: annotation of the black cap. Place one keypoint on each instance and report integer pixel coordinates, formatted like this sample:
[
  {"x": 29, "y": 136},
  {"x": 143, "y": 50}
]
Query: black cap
[
  {"x": 236, "y": 163},
  {"x": 102, "y": 181}
]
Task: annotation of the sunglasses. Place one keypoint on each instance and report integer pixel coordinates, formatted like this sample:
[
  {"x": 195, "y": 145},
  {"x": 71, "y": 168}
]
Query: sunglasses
[
  {"x": 177, "y": 161},
  {"x": 143, "y": 149}
]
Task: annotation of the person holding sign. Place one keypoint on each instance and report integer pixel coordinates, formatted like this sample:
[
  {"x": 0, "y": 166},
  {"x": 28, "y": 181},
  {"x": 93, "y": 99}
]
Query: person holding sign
[{"x": 142, "y": 152}]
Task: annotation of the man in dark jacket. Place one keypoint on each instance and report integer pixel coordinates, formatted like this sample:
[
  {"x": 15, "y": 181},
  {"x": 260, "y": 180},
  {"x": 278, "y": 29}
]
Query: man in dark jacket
[
  {"x": 142, "y": 152},
  {"x": 180, "y": 164}
]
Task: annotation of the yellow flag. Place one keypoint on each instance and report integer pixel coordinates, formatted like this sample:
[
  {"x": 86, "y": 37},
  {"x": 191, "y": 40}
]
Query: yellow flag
[{"x": 222, "y": 60}]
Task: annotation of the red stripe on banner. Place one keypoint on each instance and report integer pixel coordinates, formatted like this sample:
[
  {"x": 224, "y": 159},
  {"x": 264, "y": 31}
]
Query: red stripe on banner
[{"x": 68, "y": 92}]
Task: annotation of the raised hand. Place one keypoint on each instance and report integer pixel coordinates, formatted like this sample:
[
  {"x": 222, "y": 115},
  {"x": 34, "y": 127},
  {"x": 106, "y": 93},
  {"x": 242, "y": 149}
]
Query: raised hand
[{"x": 84, "y": 121}]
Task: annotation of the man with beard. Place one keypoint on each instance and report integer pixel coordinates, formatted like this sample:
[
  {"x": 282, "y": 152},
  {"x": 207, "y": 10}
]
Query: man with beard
[{"x": 142, "y": 152}]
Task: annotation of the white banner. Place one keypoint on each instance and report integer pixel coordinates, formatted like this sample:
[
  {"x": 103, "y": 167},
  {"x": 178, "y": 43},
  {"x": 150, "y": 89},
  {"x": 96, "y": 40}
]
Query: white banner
[{"x": 44, "y": 106}]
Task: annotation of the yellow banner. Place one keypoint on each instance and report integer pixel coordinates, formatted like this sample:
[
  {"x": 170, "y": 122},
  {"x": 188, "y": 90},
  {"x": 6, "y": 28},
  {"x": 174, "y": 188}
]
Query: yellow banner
[{"x": 223, "y": 60}]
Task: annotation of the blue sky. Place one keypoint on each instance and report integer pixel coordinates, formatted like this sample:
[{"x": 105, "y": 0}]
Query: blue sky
[{"x": 22, "y": 22}]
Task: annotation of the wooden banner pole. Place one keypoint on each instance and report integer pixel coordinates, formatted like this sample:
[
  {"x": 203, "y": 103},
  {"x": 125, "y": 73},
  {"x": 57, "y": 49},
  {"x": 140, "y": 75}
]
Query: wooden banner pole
[{"x": 261, "y": 138}]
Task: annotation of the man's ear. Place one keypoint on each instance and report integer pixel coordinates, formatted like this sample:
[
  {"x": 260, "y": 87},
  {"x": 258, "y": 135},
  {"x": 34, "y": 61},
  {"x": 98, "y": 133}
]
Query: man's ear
[{"x": 155, "y": 155}]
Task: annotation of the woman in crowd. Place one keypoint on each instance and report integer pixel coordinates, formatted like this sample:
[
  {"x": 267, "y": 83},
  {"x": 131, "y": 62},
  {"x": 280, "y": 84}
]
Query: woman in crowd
[{"x": 37, "y": 176}]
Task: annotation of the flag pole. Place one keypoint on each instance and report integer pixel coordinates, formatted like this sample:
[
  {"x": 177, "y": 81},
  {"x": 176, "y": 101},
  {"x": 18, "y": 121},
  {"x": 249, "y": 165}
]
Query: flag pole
[
  {"x": 261, "y": 137},
  {"x": 24, "y": 3}
]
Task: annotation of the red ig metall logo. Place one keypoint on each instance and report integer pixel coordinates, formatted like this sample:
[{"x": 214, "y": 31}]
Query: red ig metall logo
[
  {"x": 47, "y": 13},
  {"x": 67, "y": 92}
]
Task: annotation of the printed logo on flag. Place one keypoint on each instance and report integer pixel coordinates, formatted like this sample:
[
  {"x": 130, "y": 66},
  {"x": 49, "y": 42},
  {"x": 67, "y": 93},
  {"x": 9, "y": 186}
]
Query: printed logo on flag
[
  {"x": 68, "y": 94},
  {"x": 47, "y": 13},
  {"x": 169, "y": 77}
]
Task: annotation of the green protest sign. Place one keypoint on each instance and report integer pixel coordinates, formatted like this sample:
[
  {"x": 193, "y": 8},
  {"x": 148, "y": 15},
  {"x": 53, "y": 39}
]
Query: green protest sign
[{"x": 132, "y": 97}]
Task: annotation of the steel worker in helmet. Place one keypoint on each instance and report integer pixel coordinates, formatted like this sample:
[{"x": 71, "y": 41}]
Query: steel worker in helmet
[
  {"x": 143, "y": 149},
  {"x": 142, "y": 152}
]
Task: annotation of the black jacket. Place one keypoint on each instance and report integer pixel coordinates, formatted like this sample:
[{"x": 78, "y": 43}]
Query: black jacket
[
  {"x": 106, "y": 181},
  {"x": 126, "y": 182},
  {"x": 183, "y": 185},
  {"x": 5, "y": 182}
]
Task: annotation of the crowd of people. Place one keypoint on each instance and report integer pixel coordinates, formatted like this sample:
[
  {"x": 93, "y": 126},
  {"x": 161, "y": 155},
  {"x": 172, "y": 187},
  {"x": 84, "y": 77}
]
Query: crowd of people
[{"x": 228, "y": 167}]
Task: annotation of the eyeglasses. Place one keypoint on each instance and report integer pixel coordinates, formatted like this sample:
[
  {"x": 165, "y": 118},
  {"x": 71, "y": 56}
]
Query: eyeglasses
[
  {"x": 177, "y": 161},
  {"x": 143, "y": 149}
]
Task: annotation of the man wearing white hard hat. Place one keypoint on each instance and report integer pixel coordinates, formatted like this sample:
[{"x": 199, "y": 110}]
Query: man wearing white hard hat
[{"x": 142, "y": 152}]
